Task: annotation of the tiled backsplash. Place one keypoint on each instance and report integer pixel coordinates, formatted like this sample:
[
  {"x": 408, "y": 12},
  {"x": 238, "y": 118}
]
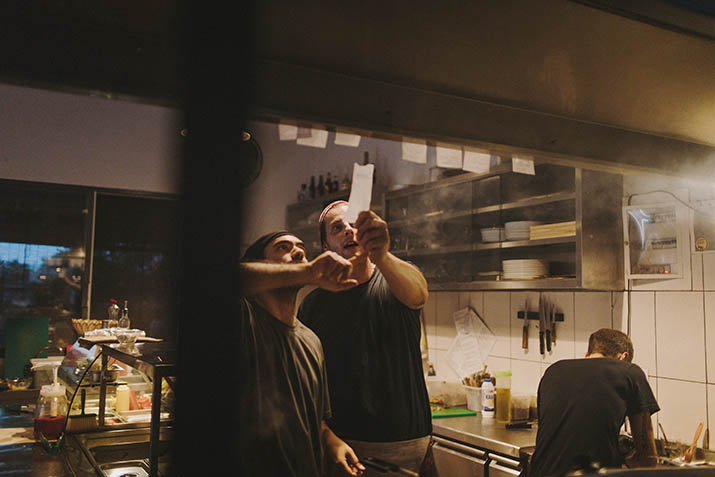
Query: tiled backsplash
[{"x": 673, "y": 334}]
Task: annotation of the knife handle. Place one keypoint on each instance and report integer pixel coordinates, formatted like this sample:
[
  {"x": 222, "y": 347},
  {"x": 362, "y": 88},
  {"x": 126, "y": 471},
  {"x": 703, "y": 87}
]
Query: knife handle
[
  {"x": 541, "y": 341},
  {"x": 525, "y": 337},
  {"x": 553, "y": 332},
  {"x": 548, "y": 339}
]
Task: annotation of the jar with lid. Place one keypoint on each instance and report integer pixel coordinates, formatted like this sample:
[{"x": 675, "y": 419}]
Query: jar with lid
[
  {"x": 503, "y": 396},
  {"x": 50, "y": 412}
]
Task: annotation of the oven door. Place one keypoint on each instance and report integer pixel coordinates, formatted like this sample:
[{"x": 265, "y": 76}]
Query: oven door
[
  {"x": 503, "y": 467},
  {"x": 453, "y": 459}
]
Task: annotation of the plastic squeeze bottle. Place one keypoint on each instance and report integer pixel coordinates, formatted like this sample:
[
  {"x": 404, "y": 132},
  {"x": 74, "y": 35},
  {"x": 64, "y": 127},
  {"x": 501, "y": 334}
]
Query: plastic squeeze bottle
[{"x": 487, "y": 398}]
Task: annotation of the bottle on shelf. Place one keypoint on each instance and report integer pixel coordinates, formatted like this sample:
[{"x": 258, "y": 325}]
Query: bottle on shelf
[
  {"x": 124, "y": 320},
  {"x": 321, "y": 186},
  {"x": 366, "y": 161},
  {"x": 312, "y": 187},
  {"x": 328, "y": 183},
  {"x": 112, "y": 314},
  {"x": 302, "y": 193},
  {"x": 345, "y": 183}
]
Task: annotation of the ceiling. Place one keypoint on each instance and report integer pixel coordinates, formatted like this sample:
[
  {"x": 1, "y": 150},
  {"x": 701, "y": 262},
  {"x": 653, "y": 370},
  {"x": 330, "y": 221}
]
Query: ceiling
[{"x": 150, "y": 52}]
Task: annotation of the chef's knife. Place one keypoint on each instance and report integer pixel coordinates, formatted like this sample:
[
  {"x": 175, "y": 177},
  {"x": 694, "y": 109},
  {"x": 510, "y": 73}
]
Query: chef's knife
[
  {"x": 525, "y": 329},
  {"x": 549, "y": 316},
  {"x": 553, "y": 324},
  {"x": 542, "y": 324}
]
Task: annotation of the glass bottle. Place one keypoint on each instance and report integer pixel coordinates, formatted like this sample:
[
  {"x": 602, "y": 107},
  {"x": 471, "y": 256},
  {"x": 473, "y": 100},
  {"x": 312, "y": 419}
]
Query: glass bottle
[
  {"x": 312, "y": 187},
  {"x": 302, "y": 193},
  {"x": 345, "y": 184},
  {"x": 113, "y": 314},
  {"x": 124, "y": 320},
  {"x": 329, "y": 183},
  {"x": 321, "y": 186}
]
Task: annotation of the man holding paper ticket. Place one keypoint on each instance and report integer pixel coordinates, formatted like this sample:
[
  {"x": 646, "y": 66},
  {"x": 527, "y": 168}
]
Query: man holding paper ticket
[{"x": 371, "y": 338}]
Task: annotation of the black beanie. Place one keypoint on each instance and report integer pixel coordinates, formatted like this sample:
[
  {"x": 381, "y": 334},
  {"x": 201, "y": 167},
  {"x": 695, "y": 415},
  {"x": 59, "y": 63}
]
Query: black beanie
[{"x": 255, "y": 251}]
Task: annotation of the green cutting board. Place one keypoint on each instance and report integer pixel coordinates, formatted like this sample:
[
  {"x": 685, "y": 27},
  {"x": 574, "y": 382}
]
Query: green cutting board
[{"x": 439, "y": 411}]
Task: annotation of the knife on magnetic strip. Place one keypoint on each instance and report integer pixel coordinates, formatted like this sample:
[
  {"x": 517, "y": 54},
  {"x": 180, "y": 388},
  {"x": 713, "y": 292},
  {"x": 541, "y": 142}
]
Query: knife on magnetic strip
[{"x": 542, "y": 324}]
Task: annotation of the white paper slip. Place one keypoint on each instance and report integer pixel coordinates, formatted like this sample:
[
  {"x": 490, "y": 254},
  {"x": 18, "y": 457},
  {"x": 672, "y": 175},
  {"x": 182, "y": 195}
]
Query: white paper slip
[
  {"x": 318, "y": 138},
  {"x": 476, "y": 161},
  {"x": 287, "y": 132},
  {"x": 523, "y": 165},
  {"x": 414, "y": 150},
  {"x": 449, "y": 156},
  {"x": 347, "y": 139},
  {"x": 360, "y": 192}
]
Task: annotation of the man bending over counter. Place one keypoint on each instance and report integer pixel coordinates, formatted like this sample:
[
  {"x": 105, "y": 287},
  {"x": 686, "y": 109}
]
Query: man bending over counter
[
  {"x": 582, "y": 404},
  {"x": 283, "y": 394}
]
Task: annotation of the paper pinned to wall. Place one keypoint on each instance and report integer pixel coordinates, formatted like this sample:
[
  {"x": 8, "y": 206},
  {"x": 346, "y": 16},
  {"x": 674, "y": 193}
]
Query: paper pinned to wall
[
  {"x": 347, "y": 139},
  {"x": 523, "y": 165},
  {"x": 414, "y": 150},
  {"x": 287, "y": 132},
  {"x": 449, "y": 156},
  {"x": 318, "y": 138},
  {"x": 360, "y": 192},
  {"x": 476, "y": 160}
]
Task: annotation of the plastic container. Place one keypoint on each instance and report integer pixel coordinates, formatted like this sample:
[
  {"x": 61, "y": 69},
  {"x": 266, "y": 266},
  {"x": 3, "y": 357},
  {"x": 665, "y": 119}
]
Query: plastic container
[
  {"x": 503, "y": 396},
  {"x": 122, "y": 400},
  {"x": 50, "y": 412},
  {"x": 474, "y": 398},
  {"x": 488, "y": 396},
  {"x": 520, "y": 407}
]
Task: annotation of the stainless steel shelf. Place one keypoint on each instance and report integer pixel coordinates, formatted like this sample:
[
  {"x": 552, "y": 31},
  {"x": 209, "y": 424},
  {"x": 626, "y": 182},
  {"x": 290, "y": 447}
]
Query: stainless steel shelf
[{"x": 549, "y": 283}]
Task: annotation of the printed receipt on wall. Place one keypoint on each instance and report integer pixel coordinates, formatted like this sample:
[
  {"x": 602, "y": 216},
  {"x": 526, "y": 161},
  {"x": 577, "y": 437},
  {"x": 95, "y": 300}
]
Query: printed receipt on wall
[{"x": 360, "y": 192}]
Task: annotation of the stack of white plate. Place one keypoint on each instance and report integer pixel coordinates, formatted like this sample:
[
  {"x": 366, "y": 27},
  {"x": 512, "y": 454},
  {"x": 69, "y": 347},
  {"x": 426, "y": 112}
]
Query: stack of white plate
[
  {"x": 518, "y": 230},
  {"x": 525, "y": 268},
  {"x": 492, "y": 234}
]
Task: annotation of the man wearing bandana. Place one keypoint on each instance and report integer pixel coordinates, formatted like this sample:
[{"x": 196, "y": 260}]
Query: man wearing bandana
[
  {"x": 283, "y": 395},
  {"x": 371, "y": 337}
]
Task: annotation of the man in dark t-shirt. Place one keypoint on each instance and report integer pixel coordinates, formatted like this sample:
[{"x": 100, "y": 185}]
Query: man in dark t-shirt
[
  {"x": 582, "y": 404},
  {"x": 283, "y": 400},
  {"x": 371, "y": 336}
]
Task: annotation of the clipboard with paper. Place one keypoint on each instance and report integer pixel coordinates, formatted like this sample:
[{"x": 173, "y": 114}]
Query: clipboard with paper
[{"x": 470, "y": 349}]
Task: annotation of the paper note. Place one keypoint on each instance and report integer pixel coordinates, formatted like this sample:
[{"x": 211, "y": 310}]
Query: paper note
[
  {"x": 449, "y": 156},
  {"x": 414, "y": 150},
  {"x": 523, "y": 165},
  {"x": 318, "y": 138},
  {"x": 360, "y": 192},
  {"x": 476, "y": 161},
  {"x": 347, "y": 139},
  {"x": 287, "y": 132}
]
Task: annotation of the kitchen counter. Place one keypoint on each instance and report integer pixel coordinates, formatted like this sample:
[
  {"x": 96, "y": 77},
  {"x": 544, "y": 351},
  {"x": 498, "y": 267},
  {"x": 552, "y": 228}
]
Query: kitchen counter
[{"x": 487, "y": 434}]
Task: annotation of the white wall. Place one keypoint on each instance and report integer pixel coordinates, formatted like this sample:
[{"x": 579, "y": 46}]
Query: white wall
[
  {"x": 672, "y": 327},
  {"x": 62, "y": 138}
]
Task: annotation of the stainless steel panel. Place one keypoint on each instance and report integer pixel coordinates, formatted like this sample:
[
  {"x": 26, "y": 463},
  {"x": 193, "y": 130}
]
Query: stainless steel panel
[
  {"x": 500, "y": 466},
  {"x": 453, "y": 463}
]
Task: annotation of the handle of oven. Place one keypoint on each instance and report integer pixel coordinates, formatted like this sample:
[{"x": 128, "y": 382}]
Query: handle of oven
[{"x": 460, "y": 447}]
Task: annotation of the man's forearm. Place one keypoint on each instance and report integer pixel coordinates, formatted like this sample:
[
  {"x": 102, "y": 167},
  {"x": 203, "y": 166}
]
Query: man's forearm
[
  {"x": 257, "y": 277},
  {"x": 644, "y": 441},
  {"x": 406, "y": 281}
]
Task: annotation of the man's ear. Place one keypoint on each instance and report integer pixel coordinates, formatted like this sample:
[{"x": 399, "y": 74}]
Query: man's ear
[{"x": 623, "y": 356}]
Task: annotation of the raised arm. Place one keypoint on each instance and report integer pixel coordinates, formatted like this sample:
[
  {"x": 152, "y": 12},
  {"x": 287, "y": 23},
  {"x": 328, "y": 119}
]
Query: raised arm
[
  {"x": 642, "y": 429},
  {"x": 329, "y": 270},
  {"x": 405, "y": 280}
]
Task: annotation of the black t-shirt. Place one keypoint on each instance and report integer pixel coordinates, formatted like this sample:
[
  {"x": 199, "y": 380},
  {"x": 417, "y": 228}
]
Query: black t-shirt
[
  {"x": 283, "y": 396},
  {"x": 582, "y": 404},
  {"x": 372, "y": 353}
]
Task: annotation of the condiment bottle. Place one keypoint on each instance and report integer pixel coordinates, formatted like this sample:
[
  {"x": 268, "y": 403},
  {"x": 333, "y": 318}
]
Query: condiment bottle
[
  {"x": 113, "y": 313},
  {"x": 124, "y": 320},
  {"x": 122, "y": 398},
  {"x": 51, "y": 410},
  {"x": 503, "y": 397},
  {"x": 488, "y": 398}
]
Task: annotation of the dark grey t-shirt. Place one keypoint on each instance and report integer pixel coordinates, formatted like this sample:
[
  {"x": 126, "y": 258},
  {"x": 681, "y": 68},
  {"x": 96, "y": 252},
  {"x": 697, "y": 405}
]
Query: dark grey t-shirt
[
  {"x": 372, "y": 352},
  {"x": 582, "y": 404},
  {"x": 283, "y": 396}
]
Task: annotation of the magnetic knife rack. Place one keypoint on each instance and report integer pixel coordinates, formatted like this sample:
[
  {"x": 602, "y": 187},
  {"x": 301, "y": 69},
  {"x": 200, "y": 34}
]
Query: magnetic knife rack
[{"x": 534, "y": 315}]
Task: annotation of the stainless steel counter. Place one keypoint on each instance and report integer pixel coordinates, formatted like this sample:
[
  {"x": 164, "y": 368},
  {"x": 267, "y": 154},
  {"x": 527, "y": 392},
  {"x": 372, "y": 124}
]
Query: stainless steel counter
[{"x": 486, "y": 434}]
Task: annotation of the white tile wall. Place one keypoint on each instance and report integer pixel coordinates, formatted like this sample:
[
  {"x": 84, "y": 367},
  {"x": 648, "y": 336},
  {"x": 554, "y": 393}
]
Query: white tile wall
[
  {"x": 592, "y": 311},
  {"x": 711, "y": 410},
  {"x": 496, "y": 314},
  {"x": 525, "y": 376},
  {"x": 682, "y": 407},
  {"x": 680, "y": 335},
  {"x": 445, "y": 306},
  {"x": 708, "y": 270},
  {"x": 696, "y": 262},
  {"x": 710, "y": 336},
  {"x": 643, "y": 330}
]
